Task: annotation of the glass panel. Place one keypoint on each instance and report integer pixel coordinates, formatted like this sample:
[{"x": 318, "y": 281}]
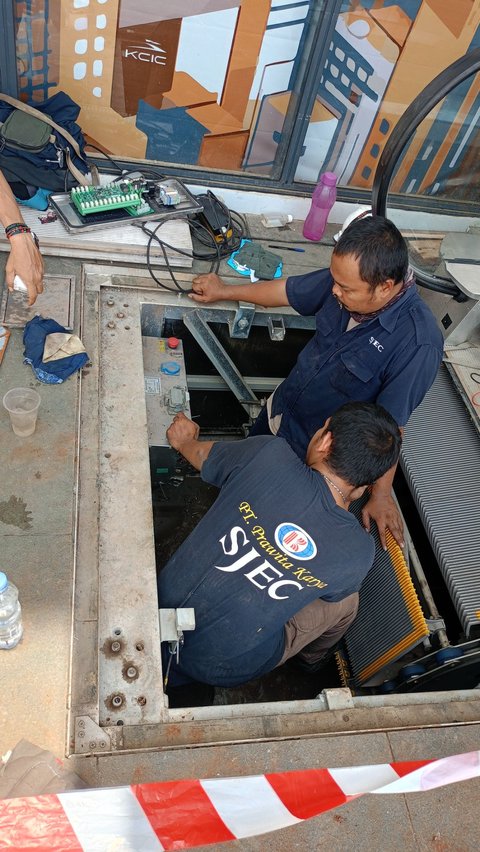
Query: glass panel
[
  {"x": 442, "y": 160},
  {"x": 190, "y": 82},
  {"x": 383, "y": 53}
]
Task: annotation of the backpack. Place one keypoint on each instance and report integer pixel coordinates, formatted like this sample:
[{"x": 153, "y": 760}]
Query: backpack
[{"x": 42, "y": 145}]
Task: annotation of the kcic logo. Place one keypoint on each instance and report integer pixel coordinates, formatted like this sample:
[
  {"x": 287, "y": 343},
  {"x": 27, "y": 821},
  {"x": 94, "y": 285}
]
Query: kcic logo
[
  {"x": 148, "y": 52},
  {"x": 296, "y": 542}
]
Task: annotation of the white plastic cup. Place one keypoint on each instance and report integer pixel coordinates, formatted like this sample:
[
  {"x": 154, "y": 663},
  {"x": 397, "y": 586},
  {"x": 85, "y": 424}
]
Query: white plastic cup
[{"x": 22, "y": 406}]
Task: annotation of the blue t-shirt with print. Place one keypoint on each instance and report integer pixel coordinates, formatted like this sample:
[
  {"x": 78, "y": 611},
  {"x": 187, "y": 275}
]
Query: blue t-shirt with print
[
  {"x": 273, "y": 541},
  {"x": 391, "y": 359}
]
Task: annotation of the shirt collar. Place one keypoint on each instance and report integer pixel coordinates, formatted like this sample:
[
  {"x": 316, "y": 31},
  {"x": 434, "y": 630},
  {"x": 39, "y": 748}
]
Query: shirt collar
[{"x": 389, "y": 317}]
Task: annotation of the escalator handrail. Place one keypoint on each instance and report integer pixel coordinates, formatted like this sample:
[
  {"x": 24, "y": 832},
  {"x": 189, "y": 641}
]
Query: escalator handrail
[{"x": 406, "y": 126}]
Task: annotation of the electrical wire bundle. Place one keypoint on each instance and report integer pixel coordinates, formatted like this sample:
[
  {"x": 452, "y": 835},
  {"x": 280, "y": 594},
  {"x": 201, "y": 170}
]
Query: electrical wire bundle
[
  {"x": 221, "y": 236},
  {"x": 220, "y": 243}
]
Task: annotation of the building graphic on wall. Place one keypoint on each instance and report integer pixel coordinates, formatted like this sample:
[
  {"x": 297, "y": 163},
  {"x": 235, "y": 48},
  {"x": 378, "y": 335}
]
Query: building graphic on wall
[
  {"x": 209, "y": 82},
  {"x": 454, "y": 27},
  {"x": 129, "y": 65},
  {"x": 360, "y": 61}
]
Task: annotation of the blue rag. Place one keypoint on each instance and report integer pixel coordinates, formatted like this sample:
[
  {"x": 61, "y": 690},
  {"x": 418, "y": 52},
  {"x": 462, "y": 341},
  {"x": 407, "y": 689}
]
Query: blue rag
[
  {"x": 54, "y": 372},
  {"x": 39, "y": 201}
]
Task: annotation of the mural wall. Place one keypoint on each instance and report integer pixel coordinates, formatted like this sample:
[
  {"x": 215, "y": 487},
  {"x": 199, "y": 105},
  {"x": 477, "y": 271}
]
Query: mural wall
[
  {"x": 381, "y": 56},
  {"x": 209, "y": 82},
  {"x": 181, "y": 81}
]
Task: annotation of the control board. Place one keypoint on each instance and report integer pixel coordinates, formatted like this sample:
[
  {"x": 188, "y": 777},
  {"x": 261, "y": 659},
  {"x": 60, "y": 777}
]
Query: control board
[
  {"x": 98, "y": 199},
  {"x": 122, "y": 202},
  {"x": 166, "y": 394}
]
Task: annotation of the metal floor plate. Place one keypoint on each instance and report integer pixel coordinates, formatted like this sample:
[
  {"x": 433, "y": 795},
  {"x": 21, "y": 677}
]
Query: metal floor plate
[{"x": 56, "y": 302}]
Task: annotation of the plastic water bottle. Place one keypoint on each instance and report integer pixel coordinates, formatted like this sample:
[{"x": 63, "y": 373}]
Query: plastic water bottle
[
  {"x": 276, "y": 220},
  {"x": 11, "y": 628},
  {"x": 323, "y": 199}
]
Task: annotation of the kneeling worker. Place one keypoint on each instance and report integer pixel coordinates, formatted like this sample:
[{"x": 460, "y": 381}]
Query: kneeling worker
[{"x": 274, "y": 567}]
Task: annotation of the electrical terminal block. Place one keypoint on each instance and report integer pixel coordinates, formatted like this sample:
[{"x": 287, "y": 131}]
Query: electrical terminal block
[{"x": 96, "y": 199}]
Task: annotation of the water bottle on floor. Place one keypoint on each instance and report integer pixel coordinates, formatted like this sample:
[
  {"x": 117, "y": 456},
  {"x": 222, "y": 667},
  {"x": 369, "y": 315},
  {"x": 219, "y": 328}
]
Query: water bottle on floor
[
  {"x": 11, "y": 628},
  {"x": 323, "y": 199}
]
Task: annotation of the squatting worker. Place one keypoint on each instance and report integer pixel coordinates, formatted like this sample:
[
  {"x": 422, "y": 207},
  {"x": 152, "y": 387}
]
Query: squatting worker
[
  {"x": 274, "y": 567},
  {"x": 376, "y": 340},
  {"x": 24, "y": 259}
]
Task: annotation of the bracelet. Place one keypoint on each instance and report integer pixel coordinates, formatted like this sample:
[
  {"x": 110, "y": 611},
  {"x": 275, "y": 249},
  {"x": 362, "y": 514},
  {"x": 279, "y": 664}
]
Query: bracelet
[
  {"x": 21, "y": 228},
  {"x": 16, "y": 228}
]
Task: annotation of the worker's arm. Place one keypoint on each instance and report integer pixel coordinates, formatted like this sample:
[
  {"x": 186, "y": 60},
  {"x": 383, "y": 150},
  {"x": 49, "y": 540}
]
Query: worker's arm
[
  {"x": 382, "y": 508},
  {"x": 211, "y": 288},
  {"x": 183, "y": 435},
  {"x": 25, "y": 259}
]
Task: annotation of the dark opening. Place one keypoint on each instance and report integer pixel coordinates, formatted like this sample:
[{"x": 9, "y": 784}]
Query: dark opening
[{"x": 181, "y": 500}]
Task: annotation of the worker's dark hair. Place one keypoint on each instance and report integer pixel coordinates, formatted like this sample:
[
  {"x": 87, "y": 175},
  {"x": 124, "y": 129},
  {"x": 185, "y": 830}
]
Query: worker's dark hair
[
  {"x": 378, "y": 246},
  {"x": 366, "y": 442}
]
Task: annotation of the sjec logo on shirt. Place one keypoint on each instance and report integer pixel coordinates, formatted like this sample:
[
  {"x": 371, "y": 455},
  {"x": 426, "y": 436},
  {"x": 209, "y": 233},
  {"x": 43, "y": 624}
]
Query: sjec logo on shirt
[{"x": 293, "y": 540}]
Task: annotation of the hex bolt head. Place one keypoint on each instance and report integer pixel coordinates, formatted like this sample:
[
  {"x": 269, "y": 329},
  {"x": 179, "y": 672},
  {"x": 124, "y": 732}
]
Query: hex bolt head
[
  {"x": 120, "y": 315},
  {"x": 111, "y": 324},
  {"x": 242, "y": 323},
  {"x": 110, "y": 302}
]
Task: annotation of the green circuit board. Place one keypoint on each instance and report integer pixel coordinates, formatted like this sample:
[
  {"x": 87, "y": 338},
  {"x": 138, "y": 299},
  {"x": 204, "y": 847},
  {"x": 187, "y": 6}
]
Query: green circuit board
[{"x": 99, "y": 199}]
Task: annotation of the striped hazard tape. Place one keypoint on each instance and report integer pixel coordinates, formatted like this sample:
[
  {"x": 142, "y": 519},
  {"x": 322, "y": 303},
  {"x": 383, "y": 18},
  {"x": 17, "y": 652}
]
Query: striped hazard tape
[{"x": 184, "y": 814}]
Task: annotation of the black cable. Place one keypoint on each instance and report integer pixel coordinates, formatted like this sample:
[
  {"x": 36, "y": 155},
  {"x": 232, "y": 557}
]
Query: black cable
[
  {"x": 144, "y": 171},
  {"x": 219, "y": 246},
  {"x": 114, "y": 162},
  {"x": 153, "y": 237}
]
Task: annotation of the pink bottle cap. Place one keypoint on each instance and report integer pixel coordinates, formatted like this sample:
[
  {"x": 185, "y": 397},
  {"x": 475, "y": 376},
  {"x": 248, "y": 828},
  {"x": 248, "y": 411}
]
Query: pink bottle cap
[{"x": 329, "y": 178}]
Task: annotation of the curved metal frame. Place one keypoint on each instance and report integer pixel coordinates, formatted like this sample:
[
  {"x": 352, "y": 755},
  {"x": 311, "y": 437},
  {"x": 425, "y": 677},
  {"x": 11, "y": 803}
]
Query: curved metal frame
[{"x": 403, "y": 131}]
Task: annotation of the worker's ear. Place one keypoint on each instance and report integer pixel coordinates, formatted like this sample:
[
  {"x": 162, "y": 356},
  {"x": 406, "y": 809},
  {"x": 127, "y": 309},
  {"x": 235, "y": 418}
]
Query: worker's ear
[
  {"x": 324, "y": 443},
  {"x": 385, "y": 288},
  {"x": 357, "y": 492}
]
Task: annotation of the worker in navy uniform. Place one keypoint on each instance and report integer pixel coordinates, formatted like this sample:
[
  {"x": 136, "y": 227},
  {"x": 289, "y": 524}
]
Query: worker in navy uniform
[
  {"x": 25, "y": 259},
  {"x": 274, "y": 567},
  {"x": 376, "y": 340}
]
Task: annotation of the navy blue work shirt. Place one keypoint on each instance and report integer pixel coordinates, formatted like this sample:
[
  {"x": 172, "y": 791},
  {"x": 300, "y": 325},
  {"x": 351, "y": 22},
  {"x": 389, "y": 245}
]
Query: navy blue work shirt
[
  {"x": 391, "y": 359},
  {"x": 273, "y": 542}
]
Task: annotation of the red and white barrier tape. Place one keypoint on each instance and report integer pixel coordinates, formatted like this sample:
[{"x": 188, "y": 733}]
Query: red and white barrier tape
[{"x": 184, "y": 814}]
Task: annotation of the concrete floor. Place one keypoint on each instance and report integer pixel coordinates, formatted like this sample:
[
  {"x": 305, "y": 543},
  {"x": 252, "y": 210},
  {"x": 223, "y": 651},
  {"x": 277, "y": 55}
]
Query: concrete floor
[{"x": 36, "y": 547}]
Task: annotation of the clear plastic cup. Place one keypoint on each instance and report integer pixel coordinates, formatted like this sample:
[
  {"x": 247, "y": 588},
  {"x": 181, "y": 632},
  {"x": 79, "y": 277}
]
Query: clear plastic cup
[{"x": 22, "y": 406}]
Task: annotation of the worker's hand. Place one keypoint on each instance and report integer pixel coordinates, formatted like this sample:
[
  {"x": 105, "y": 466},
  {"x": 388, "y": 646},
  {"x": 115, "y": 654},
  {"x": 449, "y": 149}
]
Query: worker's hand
[
  {"x": 382, "y": 509},
  {"x": 182, "y": 429},
  {"x": 26, "y": 261},
  {"x": 208, "y": 288}
]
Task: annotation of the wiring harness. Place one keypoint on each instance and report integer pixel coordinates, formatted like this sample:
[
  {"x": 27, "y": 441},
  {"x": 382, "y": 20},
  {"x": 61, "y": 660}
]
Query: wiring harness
[{"x": 217, "y": 245}]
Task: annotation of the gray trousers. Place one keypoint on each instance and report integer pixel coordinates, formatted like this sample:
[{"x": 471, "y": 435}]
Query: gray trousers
[{"x": 317, "y": 627}]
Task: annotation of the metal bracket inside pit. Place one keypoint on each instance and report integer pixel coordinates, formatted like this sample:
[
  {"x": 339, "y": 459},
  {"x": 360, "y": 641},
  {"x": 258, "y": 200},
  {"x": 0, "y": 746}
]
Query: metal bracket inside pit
[
  {"x": 241, "y": 323},
  {"x": 174, "y": 621},
  {"x": 276, "y": 327},
  {"x": 198, "y": 326},
  {"x": 435, "y": 624}
]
